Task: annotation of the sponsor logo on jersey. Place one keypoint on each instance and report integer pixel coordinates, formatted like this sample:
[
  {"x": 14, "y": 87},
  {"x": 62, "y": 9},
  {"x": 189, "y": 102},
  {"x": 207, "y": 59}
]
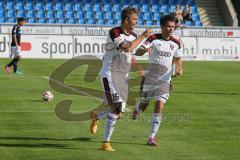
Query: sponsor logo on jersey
[{"x": 165, "y": 54}]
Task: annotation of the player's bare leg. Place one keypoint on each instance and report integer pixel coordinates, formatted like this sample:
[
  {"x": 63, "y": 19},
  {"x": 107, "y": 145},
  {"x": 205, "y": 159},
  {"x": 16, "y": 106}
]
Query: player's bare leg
[
  {"x": 156, "y": 121},
  {"x": 140, "y": 107},
  {"x": 95, "y": 116}
]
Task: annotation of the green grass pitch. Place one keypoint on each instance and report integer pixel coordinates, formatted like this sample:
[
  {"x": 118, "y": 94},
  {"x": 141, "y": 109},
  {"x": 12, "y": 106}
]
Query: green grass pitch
[{"x": 202, "y": 119}]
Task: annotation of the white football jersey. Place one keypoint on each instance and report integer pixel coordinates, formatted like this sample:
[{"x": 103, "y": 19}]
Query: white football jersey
[
  {"x": 160, "y": 60},
  {"x": 115, "y": 60}
]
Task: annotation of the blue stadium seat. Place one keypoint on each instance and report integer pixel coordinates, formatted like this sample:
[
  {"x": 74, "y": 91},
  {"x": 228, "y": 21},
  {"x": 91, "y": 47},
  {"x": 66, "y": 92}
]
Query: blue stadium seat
[
  {"x": 91, "y": 21},
  {"x": 136, "y": 6},
  {"x": 2, "y": 20},
  {"x": 58, "y": 1},
  {"x": 116, "y": 2},
  {"x": 40, "y": 14},
  {"x": 195, "y": 17},
  {"x": 19, "y": 6},
  {"x": 49, "y": 6},
  {"x": 144, "y": 8},
  {"x": 156, "y": 16},
  {"x": 29, "y": 6},
  {"x": 147, "y": 16},
  {"x": 50, "y": 14},
  {"x": 11, "y": 20},
  {"x": 125, "y": 6},
  {"x": 191, "y": 2},
  {"x": 118, "y": 22},
  {"x": 67, "y": 1},
  {"x": 117, "y": 8},
  {"x": 2, "y": 6},
  {"x": 70, "y": 21},
  {"x": 31, "y": 20},
  {"x": 157, "y": 23},
  {"x": 198, "y": 23},
  {"x": 2, "y": 15},
  {"x": 77, "y": 7},
  {"x": 149, "y": 23},
  {"x": 144, "y": 1},
  {"x": 135, "y": 2},
  {"x": 140, "y": 22},
  {"x": 97, "y": 7},
  {"x": 80, "y": 21},
  {"x": 41, "y": 20},
  {"x": 125, "y": 2},
  {"x": 118, "y": 16},
  {"x": 68, "y": 7},
  {"x": 78, "y": 1},
  {"x": 96, "y": 1},
  {"x": 20, "y": 13},
  {"x": 172, "y": 2},
  {"x": 39, "y": 6},
  {"x": 109, "y": 15},
  {"x": 61, "y": 20},
  {"x": 87, "y": 7},
  {"x": 106, "y": 1},
  {"x": 164, "y": 9},
  {"x": 193, "y": 9},
  {"x": 58, "y": 6},
  {"x": 172, "y": 8},
  {"x": 30, "y": 14},
  {"x": 69, "y": 14},
  {"x": 99, "y": 15},
  {"x": 163, "y": 2},
  {"x": 182, "y": 2},
  {"x": 60, "y": 14},
  {"x": 110, "y": 22},
  {"x": 189, "y": 23},
  {"x": 89, "y": 15},
  {"x": 51, "y": 20},
  {"x": 107, "y": 7},
  {"x": 10, "y": 13},
  {"x": 101, "y": 22},
  {"x": 140, "y": 17},
  {"x": 9, "y": 5},
  {"x": 153, "y": 2},
  {"x": 88, "y": 1},
  {"x": 155, "y": 8},
  {"x": 79, "y": 15}
]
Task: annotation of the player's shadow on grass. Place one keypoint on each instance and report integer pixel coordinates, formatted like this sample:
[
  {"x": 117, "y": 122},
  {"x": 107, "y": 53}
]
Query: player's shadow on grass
[
  {"x": 86, "y": 139},
  {"x": 37, "y": 100},
  {"x": 82, "y": 139},
  {"x": 56, "y": 146}
]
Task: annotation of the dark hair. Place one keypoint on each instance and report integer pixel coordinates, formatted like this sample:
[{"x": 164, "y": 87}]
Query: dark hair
[
  {"x": 21, "y": 19},
  {"x": 164, "y": 19},
  {"x": 126, "y": 12}
]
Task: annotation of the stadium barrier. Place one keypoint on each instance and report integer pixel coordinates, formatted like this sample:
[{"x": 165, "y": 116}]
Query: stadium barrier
[{"x": 68, "y": 41}]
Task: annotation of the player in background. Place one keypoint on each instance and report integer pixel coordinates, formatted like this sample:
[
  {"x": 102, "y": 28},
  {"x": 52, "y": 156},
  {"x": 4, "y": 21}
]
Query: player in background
[
  {"x": 120, "y": 50},
  {"x": 15, "y": 46},
  {"x": 156, "y": 82},
  {"x": 177, "y": 35}
]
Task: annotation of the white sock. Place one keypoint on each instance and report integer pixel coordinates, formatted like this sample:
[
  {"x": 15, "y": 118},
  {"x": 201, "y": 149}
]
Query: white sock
[
  {"x": 137, "y": 108},
  {"x": 101, "y": 115},
  {"x": 109, "y": 126},
  {"x": 156, "y": 121}
]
